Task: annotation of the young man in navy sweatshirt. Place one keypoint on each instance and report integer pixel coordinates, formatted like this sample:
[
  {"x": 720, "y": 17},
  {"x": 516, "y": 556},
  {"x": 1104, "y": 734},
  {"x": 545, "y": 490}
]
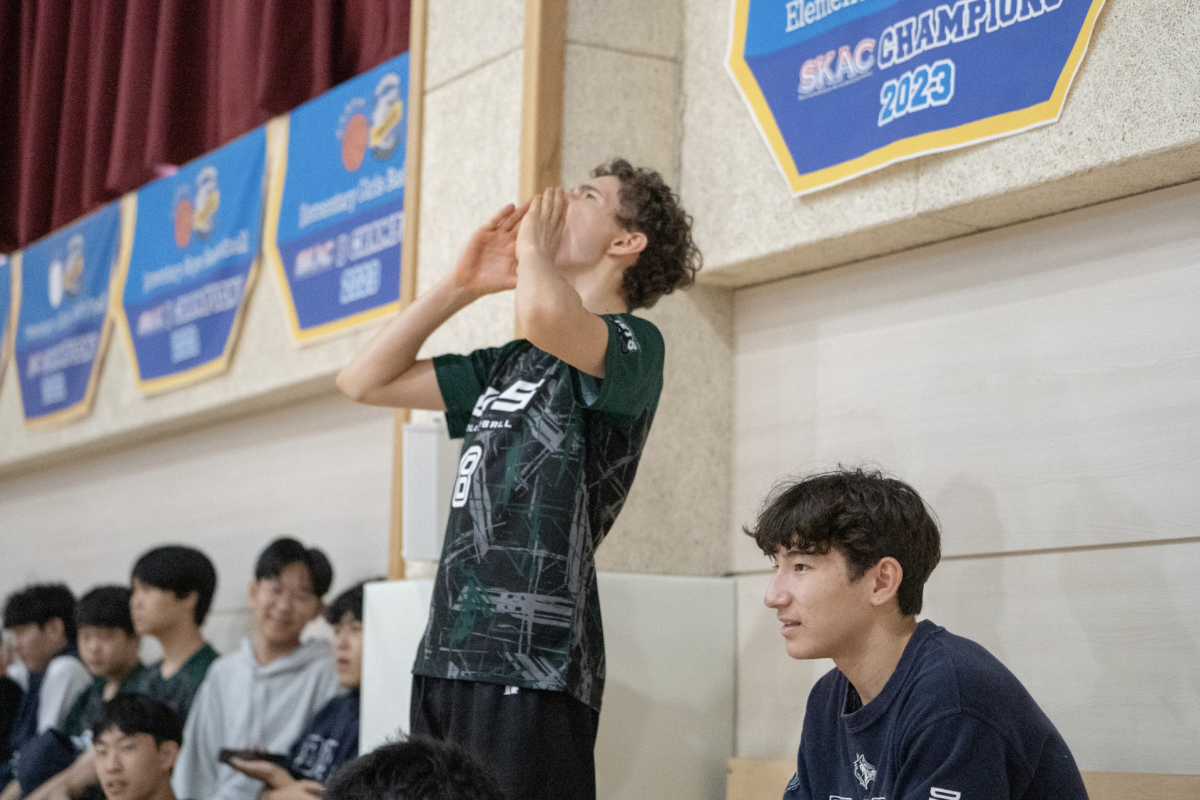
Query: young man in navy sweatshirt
[{"x": 911, "y": 711}]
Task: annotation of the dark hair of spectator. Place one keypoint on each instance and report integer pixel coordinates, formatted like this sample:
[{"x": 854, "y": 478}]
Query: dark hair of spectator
[
  {"x": 417, "y": 769},
  {"x": 181, "y": 571},
  {"x": 38, "y": 604},
  {"x": 348, "y": 602},
  {"x": 865, "y": 516},
  {"x": 671, "y": 259},
  {"x": 105, "y": 607},
  {"x": 138, "y": 713},
  {"x": 281, "y": 553}
]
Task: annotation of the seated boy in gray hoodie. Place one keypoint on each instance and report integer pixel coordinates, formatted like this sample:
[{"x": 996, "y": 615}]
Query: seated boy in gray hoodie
[{"x": 262, "y": 695}]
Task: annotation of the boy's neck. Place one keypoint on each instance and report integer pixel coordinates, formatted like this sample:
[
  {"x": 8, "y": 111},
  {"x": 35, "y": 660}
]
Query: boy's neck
[
  {"x": 600, "y": 290},
  {"x": 873, "y": 659},
  {"x": 179, "y": 644},
  {"x": 265, "y": 652},
  {"x": 112, "y": 682}
]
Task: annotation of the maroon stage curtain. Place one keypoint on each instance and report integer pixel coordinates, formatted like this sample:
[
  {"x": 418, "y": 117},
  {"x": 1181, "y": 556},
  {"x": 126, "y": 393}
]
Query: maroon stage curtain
[{"x": 96, "y": 95}]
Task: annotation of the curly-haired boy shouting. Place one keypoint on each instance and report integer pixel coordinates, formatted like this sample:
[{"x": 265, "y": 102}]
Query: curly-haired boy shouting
[{"x": 512, "y": 662}]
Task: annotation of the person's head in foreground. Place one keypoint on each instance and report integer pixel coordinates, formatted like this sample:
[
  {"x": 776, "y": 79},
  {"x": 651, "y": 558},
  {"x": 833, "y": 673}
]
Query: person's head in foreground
[
  {"x": 285, "y": 595},
  {"x": 41, "y": 619},
  {"x": 416, "y": 769},
  {"x": 108, "y": 645},
  {"x": 627, "y": 223},
  {"x": 136, "y": 740},
  {"x": 911, "y": 710},
  {"x": 345, "y": 614},
  {"x": 173, "y": 587}
]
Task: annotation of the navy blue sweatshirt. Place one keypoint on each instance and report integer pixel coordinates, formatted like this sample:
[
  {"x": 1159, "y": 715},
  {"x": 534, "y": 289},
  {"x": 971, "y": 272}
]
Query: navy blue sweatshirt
[
  {"x": 330, "y": 740},
  {"x": 952, "y": 723}
]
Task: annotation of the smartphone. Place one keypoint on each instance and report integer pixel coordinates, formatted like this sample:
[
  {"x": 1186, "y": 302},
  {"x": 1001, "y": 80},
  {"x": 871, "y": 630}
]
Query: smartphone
[{"x": 252, "y": 755}]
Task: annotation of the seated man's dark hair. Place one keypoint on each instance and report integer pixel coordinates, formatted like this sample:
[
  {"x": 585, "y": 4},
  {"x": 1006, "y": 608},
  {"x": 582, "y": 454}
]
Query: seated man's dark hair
[
  {"x": 865, "y": 516},
  {"x": 286, "y": 551},
  {"x": 417, "y": 769},
  {"x": 180, "y": 570},
  {"x": 39, "y": 603},
  {"x": 105, "y": 607},
  {"x": 348, "y": 602},
  {"x": 671, "y": 259},
  {"x": 138, "y": 713}
]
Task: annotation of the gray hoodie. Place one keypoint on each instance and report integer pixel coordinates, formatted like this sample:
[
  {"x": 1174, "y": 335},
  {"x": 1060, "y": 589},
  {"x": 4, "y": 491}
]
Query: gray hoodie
[{"x": 244, "y": 704}]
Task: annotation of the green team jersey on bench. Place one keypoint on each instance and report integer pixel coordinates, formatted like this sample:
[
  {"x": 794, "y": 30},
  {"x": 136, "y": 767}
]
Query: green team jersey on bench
[{"x": 549, "y": 454}]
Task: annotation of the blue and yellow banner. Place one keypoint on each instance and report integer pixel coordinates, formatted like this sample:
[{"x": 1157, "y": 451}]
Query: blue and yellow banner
[
  {"x": 840, "y": 88},
  {"x": 6, "y": 313},
  {"x": 193, "y": 262},
  {"x": 63, "y": 322},
  {"x": 336, "y": 213}
]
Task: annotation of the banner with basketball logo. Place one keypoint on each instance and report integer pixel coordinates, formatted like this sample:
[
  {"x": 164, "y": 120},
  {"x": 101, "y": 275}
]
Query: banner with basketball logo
[
  {"x": 62, "y": 323},
  {"x": 336, "y": 212},
  {"x": 6, "y": 313},
  {"x": 194, "y": 259}
]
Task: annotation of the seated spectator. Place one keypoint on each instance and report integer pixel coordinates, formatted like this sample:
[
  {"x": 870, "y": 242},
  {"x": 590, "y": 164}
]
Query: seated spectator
[
  {"x": 173, "y": 588},
  {"x": 172, "y": 591},
  {"x": 331, "y": 739},
  {"x": 136, "y": 741},
  {"x": 418, "y": 769},
  {"x": 10, "y": 701},
  {"x": 41, "y": 619},
  {"x": 108, "y": 647},
  {"x": 263, "y": 695},
  {"x": 910, "y": 710}
]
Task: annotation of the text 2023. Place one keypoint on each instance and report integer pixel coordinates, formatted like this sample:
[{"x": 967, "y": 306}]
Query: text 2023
[{"x": 927, "y": 85}]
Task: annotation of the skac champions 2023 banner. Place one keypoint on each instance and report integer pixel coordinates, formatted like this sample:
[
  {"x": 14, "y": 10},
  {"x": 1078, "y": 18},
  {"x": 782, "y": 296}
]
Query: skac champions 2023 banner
[
  {"x": 336, "y": 214},
  {"x": 194, "y": 256},
  {"x": 63, "y": 322},
  {"x": 840, "y": 88}
]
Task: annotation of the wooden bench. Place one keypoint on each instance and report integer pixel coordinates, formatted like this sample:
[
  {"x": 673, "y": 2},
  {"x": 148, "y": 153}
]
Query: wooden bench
[{"x": 765, "y": 778}]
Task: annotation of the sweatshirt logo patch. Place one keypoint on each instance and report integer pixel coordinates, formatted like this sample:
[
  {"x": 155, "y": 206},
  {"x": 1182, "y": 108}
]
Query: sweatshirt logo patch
[{"x": 863, "y": 771}]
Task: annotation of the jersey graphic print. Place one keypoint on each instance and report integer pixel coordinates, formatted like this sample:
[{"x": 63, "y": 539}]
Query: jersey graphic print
[
  {"x": 545, "y": 468},
  {"x": 864, "y": 771}
]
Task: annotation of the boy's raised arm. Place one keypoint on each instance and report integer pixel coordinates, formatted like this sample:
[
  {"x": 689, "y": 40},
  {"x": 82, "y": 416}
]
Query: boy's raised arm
[{"x": 386, "y": 371}]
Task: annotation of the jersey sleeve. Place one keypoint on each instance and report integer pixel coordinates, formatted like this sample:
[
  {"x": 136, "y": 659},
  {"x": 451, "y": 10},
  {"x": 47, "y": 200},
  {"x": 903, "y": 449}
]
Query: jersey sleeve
[
  {"x": 959, "y": 757},
  {"x": 461, "y": 379},
  {"x": 633, "y": 369}
]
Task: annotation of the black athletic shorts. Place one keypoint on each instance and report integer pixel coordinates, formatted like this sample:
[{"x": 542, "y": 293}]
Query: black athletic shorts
[{"x": 538, "y": 744}]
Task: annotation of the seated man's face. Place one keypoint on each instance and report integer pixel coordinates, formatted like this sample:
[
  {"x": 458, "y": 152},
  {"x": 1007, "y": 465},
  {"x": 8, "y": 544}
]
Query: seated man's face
[
  {"x": 822, "y": 613},
  {"x": 156, "y": 610},
  {"x": 107, "y": 652},
  {"x": 282, "y": 606},
  {"x": 347, "y": 648},
  {"x": 132, "y": 766},
  {"x": 37, "y": 644}
]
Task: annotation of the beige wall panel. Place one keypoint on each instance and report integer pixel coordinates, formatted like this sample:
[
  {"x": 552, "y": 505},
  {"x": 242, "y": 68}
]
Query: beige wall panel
[
  {"x": 1130, "y": 124},
  {"x": 318, "y": 470},
  {"x": 1107, "y": 641},
  {"x": 466, "y": 34},
  {"x": 676, "y": 521},
  {"x": 645, "y": 27},
  {"x": 1037, "y": 384},
  {"x": 470, "y": 171},
  {"x": 618, "y": 104}
]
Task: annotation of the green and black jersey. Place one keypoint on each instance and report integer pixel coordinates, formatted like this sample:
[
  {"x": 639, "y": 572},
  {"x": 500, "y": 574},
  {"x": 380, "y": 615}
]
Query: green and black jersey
[{"x": 549, "y": 454}]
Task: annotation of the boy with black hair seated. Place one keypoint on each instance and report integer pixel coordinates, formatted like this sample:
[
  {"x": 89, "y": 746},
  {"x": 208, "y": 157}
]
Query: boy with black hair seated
[
  {"x": 137, "y": 740},
  {"x": 108, "y": 647},
  {"x": 418, "y": 769},
  {"x": 910, "y": 711},
  {"x": 331, "y": 738},
  {"x": 41, "y": 619},
  {"x": 264, "y": 694},
  {"x": 172, "y": 589}
]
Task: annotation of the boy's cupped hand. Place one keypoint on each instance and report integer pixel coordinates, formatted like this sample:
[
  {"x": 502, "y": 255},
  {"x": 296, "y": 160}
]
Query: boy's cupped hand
[
  {"x": 542, "y": 229},
  {"x": 489, "y": 261}
]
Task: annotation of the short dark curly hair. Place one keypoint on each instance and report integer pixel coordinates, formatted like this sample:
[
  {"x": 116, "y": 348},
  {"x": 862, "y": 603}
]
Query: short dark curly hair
[{"x": 671, "y": 259}]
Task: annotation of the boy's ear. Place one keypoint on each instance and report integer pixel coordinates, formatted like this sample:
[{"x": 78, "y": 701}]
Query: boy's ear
[
  {"x": 887, "y": 576},
  {"x": 191, "y": 599},
  {"x": 55, "y": 627},
  {"x": 168, "y": 751},
  {"x": 629, "y": 243}
]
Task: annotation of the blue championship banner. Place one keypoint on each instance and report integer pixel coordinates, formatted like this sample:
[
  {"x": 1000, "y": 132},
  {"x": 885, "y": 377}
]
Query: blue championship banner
[
  {"x": 336, "y": 213},
  {"x": 63, "y": 284},
  {"x": 194, "y": 259},
  {"x": 840, "y": 88},
  {"x": 6, "y": 312}
]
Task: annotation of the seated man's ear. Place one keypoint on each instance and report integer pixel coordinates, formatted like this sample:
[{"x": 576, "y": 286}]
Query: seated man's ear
[
  {"x": 55, "y": 627},
  {"x": 887, "y": 575},
  {"x": 168, "y": 751}
]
